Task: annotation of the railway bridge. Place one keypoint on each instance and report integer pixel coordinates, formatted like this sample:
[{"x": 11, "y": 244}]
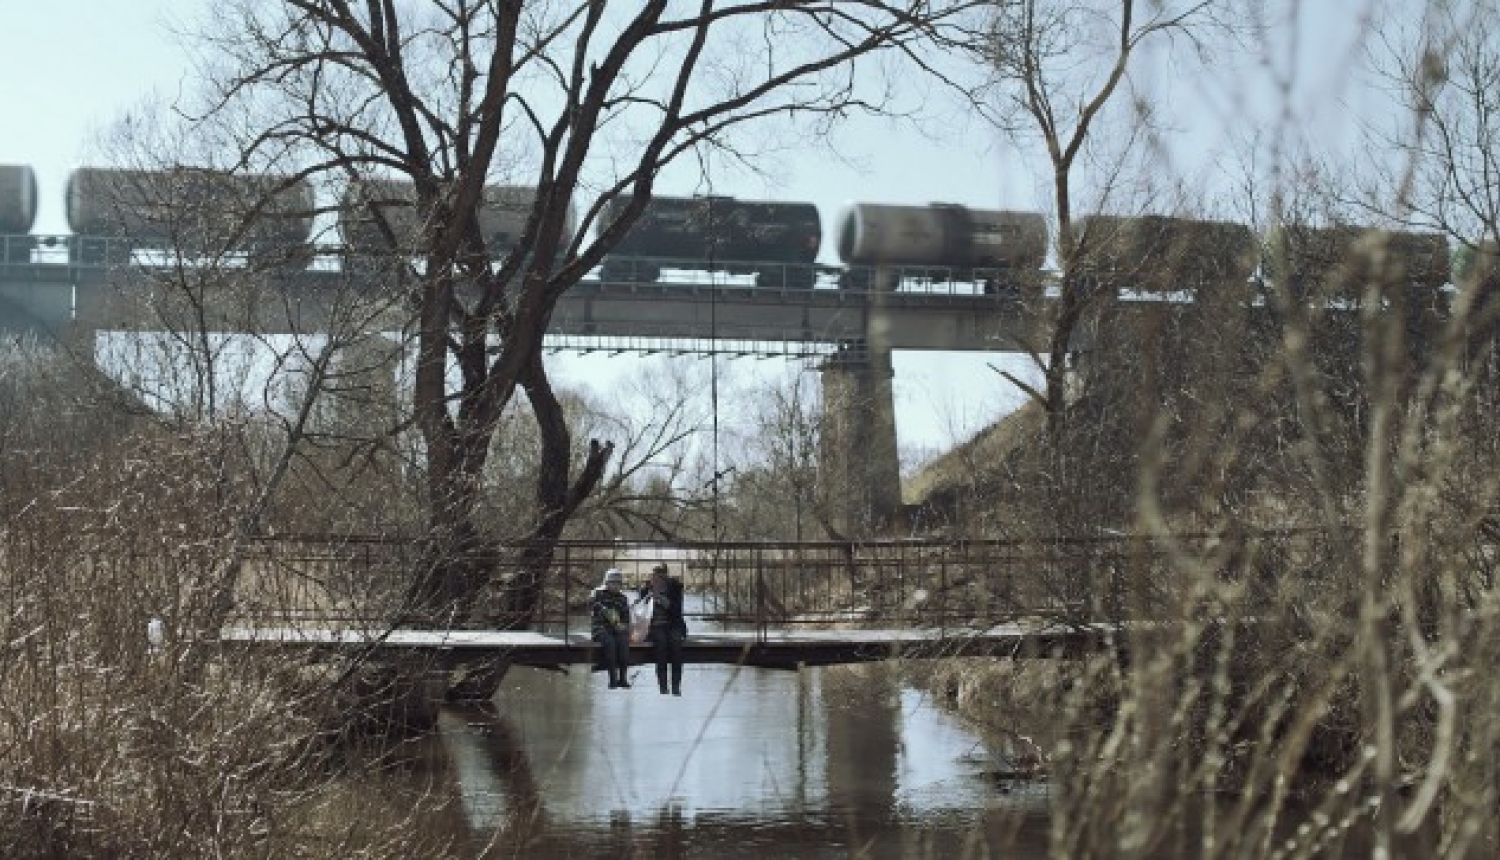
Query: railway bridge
[{"x": 850, "y": 330}]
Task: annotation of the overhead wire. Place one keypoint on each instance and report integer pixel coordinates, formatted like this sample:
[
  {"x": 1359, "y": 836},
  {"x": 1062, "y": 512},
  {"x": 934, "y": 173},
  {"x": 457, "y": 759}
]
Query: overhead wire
[{"x": 713, "y": 355}]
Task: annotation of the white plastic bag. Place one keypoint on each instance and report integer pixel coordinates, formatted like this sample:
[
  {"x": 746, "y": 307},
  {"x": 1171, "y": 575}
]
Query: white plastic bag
[{"x": 640, "y": 620}]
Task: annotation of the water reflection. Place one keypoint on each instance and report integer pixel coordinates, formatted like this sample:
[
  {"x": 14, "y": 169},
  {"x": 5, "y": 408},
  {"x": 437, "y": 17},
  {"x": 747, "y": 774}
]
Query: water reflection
[
  {"x": 746, "y": 763},
  {"x": 819, "y": 763}
]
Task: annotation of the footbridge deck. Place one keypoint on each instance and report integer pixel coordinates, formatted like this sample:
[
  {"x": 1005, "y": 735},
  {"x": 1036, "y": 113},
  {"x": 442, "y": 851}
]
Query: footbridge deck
[{"x": 781, "y": 649}]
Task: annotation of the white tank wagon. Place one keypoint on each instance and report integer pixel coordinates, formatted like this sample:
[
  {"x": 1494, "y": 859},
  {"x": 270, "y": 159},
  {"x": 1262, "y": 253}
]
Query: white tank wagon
[
  {"x": 17, "y": 212},
  {"x": 188, "y": 210},
  {"x": 1003, "y": 249},
  {"x": 366, "y": 204},
  {"x": 1339, "y": 262},
  {"x": 1161, "y": 254}
]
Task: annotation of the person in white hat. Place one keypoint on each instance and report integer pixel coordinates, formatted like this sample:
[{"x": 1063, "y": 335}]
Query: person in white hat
[{"x": 609, "y": 614}]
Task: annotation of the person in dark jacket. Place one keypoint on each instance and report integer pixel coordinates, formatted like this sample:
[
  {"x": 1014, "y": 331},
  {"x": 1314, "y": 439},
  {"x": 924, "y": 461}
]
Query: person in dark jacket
[
  {"x": 668, "y": 628},
  {"x": 609, "y": 623}
]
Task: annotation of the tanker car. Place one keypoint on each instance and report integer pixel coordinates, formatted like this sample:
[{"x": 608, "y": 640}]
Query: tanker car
[
  {"x": 186, "y": 210},
  {"x": 1336, "y": 262},
  {"x": 775, "y": 242},
  {"x": 369, "y": 207},
  {"x": 1159, "y": 253},
  {"x": 943, "y": 242},
  {"x": 17, "y": 212}
]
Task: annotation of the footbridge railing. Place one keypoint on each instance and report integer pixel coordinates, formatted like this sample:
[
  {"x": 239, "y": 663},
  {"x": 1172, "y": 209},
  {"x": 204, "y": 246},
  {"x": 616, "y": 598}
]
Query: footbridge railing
[{"x": 778, "y": 587}]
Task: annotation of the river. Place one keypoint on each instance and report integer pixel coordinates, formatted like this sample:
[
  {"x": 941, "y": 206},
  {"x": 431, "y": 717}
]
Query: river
[{"x": 746, "y": 763}]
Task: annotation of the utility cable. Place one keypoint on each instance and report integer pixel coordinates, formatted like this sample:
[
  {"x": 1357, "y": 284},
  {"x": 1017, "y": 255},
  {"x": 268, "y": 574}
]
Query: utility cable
[{"x": 713, "y": 354}]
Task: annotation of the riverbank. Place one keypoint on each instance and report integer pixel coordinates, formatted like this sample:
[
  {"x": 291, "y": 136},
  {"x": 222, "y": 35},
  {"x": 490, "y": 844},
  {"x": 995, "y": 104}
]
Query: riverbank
[{"x": 1015, "y": 706}]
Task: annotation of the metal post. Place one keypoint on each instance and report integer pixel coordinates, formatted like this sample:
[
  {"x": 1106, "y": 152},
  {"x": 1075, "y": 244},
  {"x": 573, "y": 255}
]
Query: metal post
[
  {"x": 943, "y": 592},
  {"x": 367, "y": 574},
  {"x": 760, "y": 596}
]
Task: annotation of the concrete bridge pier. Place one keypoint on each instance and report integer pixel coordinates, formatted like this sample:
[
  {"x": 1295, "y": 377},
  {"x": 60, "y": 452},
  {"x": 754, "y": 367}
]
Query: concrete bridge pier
[
  {"x": 860, "y": 467},
  {"x": 359, "y": 397}
]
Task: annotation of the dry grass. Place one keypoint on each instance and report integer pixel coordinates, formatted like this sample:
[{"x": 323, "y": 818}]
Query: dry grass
[
  {"x": 1301, "y": 699},
  {"x": 111, "y": 746}
]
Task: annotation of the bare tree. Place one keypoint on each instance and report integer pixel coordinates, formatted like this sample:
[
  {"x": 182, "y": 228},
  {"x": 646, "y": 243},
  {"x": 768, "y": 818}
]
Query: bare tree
[
  {"x": 1438, "y": 169},
  {"x": 1061, "y": 69},
  {"x": 778, "y": 488},
  {"x": 656, "y": 488},
  {"x": 1441, "y": 154},
  {"x": 594, "y": 97},
  {"x": 658, "y": 415}
]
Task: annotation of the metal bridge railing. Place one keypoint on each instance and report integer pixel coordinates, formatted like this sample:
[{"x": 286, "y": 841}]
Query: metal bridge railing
[
  {"x": 770, "y": 588},
  {"x": 783, "y": 587},
  {"x": 759, "y": 275}
]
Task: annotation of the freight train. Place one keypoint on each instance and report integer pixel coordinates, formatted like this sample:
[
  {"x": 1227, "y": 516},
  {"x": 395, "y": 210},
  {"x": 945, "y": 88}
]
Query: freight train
[{"x": 117, "y": 213}]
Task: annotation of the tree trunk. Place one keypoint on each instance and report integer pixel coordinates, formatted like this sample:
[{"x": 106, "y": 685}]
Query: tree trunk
[{"x": 556, "y": 500}]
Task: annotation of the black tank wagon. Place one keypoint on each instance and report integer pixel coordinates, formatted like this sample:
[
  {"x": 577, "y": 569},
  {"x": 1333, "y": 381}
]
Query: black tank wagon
[{"x": 776, "y": 242}]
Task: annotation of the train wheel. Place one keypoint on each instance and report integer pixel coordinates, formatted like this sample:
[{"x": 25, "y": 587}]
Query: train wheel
[
  {"x": 857, "y": 279},
  {"x": 261, "y": 257},
  {"x": 628, "y": 272},
  {"x": 17, "y": 249},
  {"x": 801, "y": 277},
  {"x": 997, "y": 287},
  {"x": 612, "y": 272},
  {"x": 96, "y": 251},
  {"x": 361, "y": 263}
]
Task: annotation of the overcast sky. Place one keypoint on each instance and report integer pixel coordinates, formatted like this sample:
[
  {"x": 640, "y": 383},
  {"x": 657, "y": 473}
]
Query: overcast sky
[{"x": 67, "y": 69}]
